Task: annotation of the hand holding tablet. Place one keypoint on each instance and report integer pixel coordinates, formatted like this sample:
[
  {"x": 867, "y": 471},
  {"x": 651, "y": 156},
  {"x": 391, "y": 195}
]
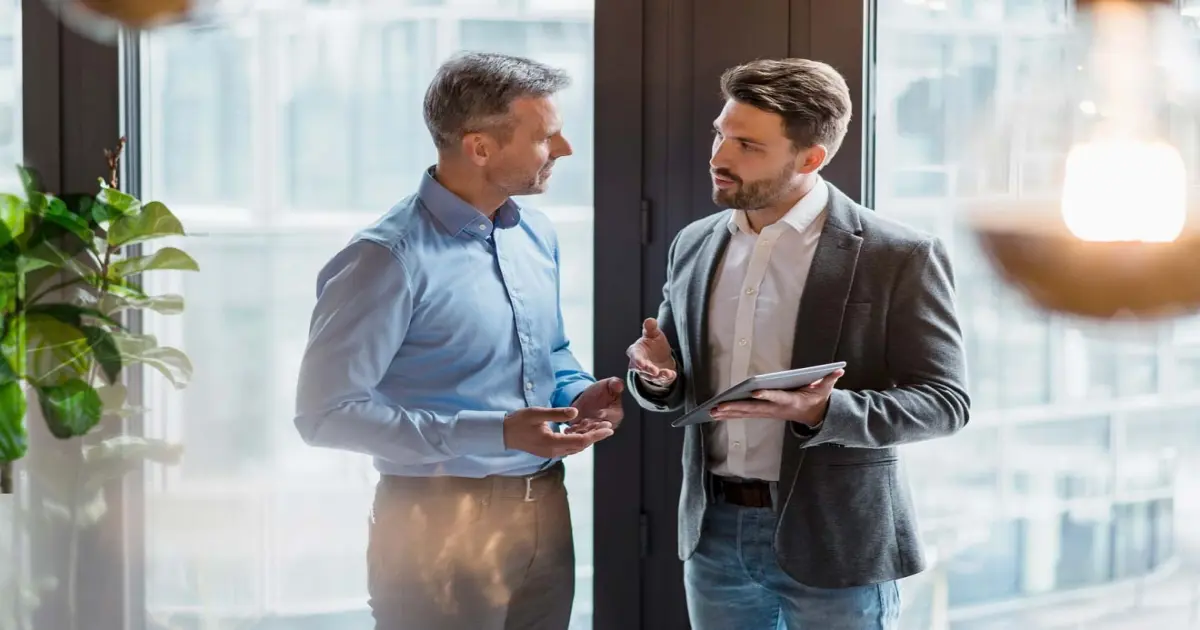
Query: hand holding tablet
[{"x": 739, "y": 401}]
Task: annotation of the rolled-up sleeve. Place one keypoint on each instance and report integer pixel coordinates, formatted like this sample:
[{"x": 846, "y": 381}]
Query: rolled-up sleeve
[{"x": 364, "y": 306}]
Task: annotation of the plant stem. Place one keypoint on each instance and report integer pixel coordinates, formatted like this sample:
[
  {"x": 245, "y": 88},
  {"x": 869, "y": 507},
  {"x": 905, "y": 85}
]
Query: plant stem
[
  {"x": 6, "y": 478},
  {"x": 73, "y": 549}
]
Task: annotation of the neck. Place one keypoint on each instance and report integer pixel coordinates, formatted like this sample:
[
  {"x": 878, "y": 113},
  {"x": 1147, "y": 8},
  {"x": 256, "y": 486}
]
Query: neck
[
  {"x": 469, "y": 185},
  {"x": 771, "y": 214}
]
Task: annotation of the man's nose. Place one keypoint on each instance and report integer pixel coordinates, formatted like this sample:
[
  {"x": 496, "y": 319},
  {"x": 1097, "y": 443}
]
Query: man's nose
[
  {"x": 720, "y": 157},
  {"x": 562, "y": 147}
]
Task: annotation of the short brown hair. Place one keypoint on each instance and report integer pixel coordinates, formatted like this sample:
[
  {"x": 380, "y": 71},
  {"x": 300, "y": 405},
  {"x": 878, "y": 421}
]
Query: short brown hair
[{"x": 811, "y": 96}]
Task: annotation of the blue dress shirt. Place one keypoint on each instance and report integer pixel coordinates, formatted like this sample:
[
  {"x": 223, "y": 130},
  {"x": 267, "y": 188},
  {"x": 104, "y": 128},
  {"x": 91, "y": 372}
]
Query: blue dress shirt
[{"x": 429, "y": 327}]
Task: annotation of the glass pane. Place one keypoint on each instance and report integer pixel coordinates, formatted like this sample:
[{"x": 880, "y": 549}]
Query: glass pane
[
  {"x": 12, "y": 150},
  {"x": 14, "y": 581},
  {"x": 1078, "y": 468},
  {"x": 274, "y": 137}
]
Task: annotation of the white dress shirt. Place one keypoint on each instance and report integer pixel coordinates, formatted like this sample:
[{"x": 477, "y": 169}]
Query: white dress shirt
[{"x": 752, "y": 325}]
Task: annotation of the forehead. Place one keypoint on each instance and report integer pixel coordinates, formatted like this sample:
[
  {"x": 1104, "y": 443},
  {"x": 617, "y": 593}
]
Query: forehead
[
  {"x": 537, "y": 111},
  {"x": 738, "y": 118}
]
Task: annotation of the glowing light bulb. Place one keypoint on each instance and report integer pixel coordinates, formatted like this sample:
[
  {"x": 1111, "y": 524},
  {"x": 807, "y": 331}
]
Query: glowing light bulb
[
  {"x": 1123, "y": 190},
  {"x": 1084, "y": 175}
]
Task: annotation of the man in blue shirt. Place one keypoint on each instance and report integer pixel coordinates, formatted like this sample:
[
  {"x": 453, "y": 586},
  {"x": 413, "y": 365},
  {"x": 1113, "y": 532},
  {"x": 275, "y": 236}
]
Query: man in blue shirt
[{"x": 437, "y": 347}]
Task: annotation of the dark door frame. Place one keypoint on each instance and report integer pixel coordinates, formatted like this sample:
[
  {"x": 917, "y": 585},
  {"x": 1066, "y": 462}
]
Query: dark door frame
[{"x": 658, "y": 64}]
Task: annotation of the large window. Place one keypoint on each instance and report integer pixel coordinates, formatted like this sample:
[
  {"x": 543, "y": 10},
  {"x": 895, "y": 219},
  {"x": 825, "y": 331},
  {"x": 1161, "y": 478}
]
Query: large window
[
  {"x": 11, "y": 543},
  {"x": 274, "y": 137},
  {"x": 1074, "y": 470}
]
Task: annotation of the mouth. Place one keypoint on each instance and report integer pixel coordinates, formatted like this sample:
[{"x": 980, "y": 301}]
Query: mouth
[{"x": 722, "y": 182}]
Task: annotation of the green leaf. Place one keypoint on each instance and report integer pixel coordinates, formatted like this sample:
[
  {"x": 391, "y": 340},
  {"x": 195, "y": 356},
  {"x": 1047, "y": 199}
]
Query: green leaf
[
  {"x": 154, "y": 220},
  {"x": 70, "y": 409},
  {"x": 113, "y": 204},
  {"x": 12, "y": 345},
  {"x": 171, "y": 362},
  {"x": 71, "y": 314},
  {"x": 115, "y": 457},
  {"x": 170, "y": 304},
  {"x": 165, "y": 258},
  {"x": 8, "y": 367},
  {"x": 13, "y": 440},
  {"x": 105, "y": 350},
  {"x": 13, "y": 211},
  {"x": 30, "y": 180},
  {"x": 58, "y": 213},
  {"x": 58, "y": 351},
  {"x": 113, "y": 396}
]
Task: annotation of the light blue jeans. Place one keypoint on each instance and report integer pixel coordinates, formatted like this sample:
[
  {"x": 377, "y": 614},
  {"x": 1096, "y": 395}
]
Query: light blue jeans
[{"x": 734, "y": 582}]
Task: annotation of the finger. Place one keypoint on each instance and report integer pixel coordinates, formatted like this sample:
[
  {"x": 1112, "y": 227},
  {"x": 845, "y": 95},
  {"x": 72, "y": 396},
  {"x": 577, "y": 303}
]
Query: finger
[
  {"x": 650, "y": 328},
  {"x": 588, "y": 426},
  {"x": 828, "y": 380},
  {"x": 546, "y": 414},
  {"x": 646, "y": 368},
  {"x": 745, "y": 410},
  {"x": 659, "y": 377},
  {"x": 771, "y": 395},
  {"x": 564, "y": 443}
]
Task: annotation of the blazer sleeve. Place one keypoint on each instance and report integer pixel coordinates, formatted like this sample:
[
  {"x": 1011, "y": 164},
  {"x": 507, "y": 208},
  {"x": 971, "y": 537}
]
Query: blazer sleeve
[
  {"x": 650, "y": 397},
  {"x": 925, "y": 357}
]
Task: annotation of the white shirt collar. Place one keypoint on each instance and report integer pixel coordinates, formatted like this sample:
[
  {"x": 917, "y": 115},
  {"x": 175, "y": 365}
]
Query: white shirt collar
[{"x": 799, "y": 217}]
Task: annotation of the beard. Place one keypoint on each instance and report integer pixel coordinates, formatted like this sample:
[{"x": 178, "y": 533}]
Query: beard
[
  {"x": 753, "y": 195},
  {"x": 516, "y": 182}
]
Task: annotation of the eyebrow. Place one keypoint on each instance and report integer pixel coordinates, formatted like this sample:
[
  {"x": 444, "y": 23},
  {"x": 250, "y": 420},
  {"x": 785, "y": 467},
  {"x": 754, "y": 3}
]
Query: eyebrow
[{"x": 745, "y": 139}]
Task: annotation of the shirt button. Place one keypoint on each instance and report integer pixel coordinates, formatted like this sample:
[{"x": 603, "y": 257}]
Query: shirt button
[
  {"x": 483, "y": 227},
  {"x": 737, "y": 445},
  {"x": 750, "y": 291},
  {"x": 529, "y": 385},
  {"x": 742, "y": 342}
]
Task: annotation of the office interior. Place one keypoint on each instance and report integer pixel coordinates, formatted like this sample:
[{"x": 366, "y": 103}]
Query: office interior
[{"x": 279, "y": 129}]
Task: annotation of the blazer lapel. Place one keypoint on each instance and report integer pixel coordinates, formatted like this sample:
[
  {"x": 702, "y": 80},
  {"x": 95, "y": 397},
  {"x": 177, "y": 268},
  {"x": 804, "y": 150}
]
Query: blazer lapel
[
  {"x": 827, "y": 288},
  {"x": 698, "y": 289}
]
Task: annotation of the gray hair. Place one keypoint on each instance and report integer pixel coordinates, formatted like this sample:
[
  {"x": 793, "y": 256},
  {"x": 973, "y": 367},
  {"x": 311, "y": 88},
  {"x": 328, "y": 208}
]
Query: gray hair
[{"x": 473, "y": 92}]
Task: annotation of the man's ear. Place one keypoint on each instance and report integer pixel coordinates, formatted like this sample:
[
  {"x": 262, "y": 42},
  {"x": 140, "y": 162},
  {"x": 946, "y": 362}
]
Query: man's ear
[
  {"x": 811, "y": 160},
  {"x": 478, "y": 147}
]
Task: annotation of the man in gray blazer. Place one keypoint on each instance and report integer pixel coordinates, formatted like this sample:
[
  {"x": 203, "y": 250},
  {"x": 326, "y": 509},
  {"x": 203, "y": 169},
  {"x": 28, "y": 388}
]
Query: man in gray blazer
[{"x": 794, "y": 509}]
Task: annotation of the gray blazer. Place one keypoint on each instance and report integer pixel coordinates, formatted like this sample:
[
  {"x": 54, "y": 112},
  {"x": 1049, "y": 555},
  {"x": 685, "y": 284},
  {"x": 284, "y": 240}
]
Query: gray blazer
[{"x": 879, "y": 296}]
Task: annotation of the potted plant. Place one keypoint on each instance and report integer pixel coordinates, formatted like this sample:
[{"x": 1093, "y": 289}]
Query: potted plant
[{"x": 69, "y": 279}]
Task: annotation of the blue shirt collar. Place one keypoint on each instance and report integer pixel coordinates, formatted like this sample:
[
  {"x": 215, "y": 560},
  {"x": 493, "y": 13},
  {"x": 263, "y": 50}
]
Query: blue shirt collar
[{"x": 458, "y": 216}]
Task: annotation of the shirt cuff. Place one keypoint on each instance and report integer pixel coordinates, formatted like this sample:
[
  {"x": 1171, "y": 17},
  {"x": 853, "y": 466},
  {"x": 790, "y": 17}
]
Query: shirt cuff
[
  {"x": 477, "y": 432},
  {"x": 566, "y": 395}
]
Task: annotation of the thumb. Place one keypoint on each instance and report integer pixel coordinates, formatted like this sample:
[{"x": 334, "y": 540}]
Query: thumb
[
  {"x": 615, "y": 386},
  {"x": 650, "y": 328}
]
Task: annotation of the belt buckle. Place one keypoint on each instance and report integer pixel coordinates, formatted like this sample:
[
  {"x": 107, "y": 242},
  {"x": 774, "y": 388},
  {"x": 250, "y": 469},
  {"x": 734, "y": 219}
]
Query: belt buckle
[{"x": 529, "y": 489}]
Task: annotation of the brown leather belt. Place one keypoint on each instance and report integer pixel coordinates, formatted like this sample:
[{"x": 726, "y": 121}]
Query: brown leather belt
[{"x": 742, "y": 492}]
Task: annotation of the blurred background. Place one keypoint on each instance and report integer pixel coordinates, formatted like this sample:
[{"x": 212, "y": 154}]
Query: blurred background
[{"x": 1068, "y": 502}]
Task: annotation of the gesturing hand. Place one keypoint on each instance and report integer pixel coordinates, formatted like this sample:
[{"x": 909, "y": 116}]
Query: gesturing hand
[
  {"x": 651, "y": 356},
  {"x": 805, "y": 405},
  {"x": 600, "y": 402},
  {"x": 529, "y": 430}
]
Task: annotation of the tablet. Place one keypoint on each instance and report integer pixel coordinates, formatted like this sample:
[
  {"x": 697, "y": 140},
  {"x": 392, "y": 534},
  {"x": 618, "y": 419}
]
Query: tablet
[{"x": 788, "y": 379}]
